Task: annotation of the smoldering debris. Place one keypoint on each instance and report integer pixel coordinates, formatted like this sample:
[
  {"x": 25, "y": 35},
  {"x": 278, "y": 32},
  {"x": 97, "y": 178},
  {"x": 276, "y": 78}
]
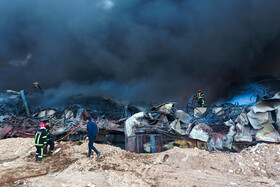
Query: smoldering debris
[
  {"x": 15, "y": 121},
  {"x": 225, "y": 127}
]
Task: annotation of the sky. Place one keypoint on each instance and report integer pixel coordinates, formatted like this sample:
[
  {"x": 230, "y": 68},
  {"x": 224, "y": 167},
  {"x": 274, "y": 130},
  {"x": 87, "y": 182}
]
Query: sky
[{"x": 140, "y": 50}]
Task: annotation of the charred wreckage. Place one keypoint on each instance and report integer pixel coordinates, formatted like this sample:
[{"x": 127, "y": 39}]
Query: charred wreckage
[{"x": 224, "y": 127}]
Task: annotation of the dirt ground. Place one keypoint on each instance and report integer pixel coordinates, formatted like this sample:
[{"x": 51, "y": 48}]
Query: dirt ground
[{"x": 255, "y": 166}]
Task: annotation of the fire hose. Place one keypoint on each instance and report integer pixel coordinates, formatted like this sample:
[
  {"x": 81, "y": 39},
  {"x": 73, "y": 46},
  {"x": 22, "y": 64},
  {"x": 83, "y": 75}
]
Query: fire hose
[
  {"x": 31, "y": 176},
  {"x": 38, "y": 175},
  {"x": 190, "y": 100},
  {"x": 47, "y": 168},
  {"x": 68, "y": 133}
]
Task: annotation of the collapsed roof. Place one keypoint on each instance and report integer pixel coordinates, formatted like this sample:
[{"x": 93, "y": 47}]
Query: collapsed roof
[{"x": 223, "y": 128}]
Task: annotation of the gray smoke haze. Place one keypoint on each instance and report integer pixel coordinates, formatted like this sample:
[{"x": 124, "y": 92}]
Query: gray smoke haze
[{"x": 153, "y": 50}]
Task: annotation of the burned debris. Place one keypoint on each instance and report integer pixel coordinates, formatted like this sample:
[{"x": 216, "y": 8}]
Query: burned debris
[
  {"x": 17, "y": 121},
  {"x": 223, "y": 127}
]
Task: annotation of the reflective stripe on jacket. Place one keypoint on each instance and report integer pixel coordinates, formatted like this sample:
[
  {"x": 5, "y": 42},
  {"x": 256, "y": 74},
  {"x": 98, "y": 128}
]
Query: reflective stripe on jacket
[
  {"x": 200, "y": 95},
  {"x": 40, "y": 137}
]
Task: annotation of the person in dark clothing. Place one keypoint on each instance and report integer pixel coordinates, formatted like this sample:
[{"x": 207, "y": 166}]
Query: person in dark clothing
[
  {"x": 40, "y": 140},
  {"x": 50, "y": 139},
  {"x": 92, "y": 131}
]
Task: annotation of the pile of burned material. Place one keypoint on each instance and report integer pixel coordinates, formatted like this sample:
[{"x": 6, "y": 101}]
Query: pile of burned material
[
  {"x": 21, "y": 114},
  {"x": 225, "y": 127},
  {"x": 257, "y": 123},
  {"x": 62, "y": 120},
  {"x": 10, "y": 103},
  {"x": 166, "y": 126},
  {"x": 216, "y": 113}
]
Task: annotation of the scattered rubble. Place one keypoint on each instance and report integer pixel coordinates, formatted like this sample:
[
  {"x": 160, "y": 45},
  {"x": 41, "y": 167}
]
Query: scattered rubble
[
  {"x": 214, "y": 133},
  {"x": 15, "y": 122},
  {"x": 153, "y": 129},
  {"x": 257, "y": 123}
]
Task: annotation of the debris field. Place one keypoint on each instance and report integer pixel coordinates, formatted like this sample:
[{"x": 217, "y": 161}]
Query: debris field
[
  {"x": 228, "y": 145},
  {"x": 153, "y": 129}
]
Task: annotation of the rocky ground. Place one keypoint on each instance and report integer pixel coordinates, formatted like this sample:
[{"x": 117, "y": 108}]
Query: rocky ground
[{"x": 255, "y": 166}]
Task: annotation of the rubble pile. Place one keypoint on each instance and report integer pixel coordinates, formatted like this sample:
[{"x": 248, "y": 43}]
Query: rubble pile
[
  {"x": 223, "y": 127},
  {"x": 13, "y": 126},
  {"x": 257, "y": 123},
  {"x": 216, "y": 113},
  {"x": 10, "y": 103},
  {"x": 20, "y": 120}
]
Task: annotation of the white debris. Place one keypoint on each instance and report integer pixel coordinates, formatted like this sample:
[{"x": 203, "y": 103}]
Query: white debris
[
  {"x": 256, "y": 163},
  {"x": 5, "y": 164},
  {"x": 57, "y": 150},
  {"x": 233, "y": 183}
]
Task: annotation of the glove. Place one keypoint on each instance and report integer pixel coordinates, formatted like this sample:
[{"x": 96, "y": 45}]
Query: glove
[{"x": 87, "y": 138}]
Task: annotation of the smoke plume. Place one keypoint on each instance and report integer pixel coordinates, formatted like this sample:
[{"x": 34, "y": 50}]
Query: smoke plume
[{"x": 137, "y": 50}]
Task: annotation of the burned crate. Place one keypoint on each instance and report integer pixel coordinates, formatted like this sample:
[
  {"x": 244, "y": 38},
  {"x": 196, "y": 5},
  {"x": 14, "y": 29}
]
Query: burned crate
[{"x": 144, "y": 143}]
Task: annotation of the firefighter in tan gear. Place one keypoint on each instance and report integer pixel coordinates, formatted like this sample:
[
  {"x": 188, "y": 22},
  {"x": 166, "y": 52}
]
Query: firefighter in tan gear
[
  {"x": 200, "y": 98},
  {"x": 40, "y": 140}
]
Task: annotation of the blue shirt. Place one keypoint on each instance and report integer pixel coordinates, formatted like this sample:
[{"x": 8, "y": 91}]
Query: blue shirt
[{"x": 92, "y": 129}]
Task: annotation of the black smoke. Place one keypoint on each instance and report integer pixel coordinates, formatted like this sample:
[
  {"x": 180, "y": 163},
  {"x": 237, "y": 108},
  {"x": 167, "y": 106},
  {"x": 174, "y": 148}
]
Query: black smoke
[{"x": 137, "y": 50}]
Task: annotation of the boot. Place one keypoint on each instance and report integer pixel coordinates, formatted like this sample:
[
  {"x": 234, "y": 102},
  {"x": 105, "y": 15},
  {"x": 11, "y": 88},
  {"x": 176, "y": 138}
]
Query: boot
[
  {"x": 89, "y": 154},
  {"x": 98, "y": 155}
]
